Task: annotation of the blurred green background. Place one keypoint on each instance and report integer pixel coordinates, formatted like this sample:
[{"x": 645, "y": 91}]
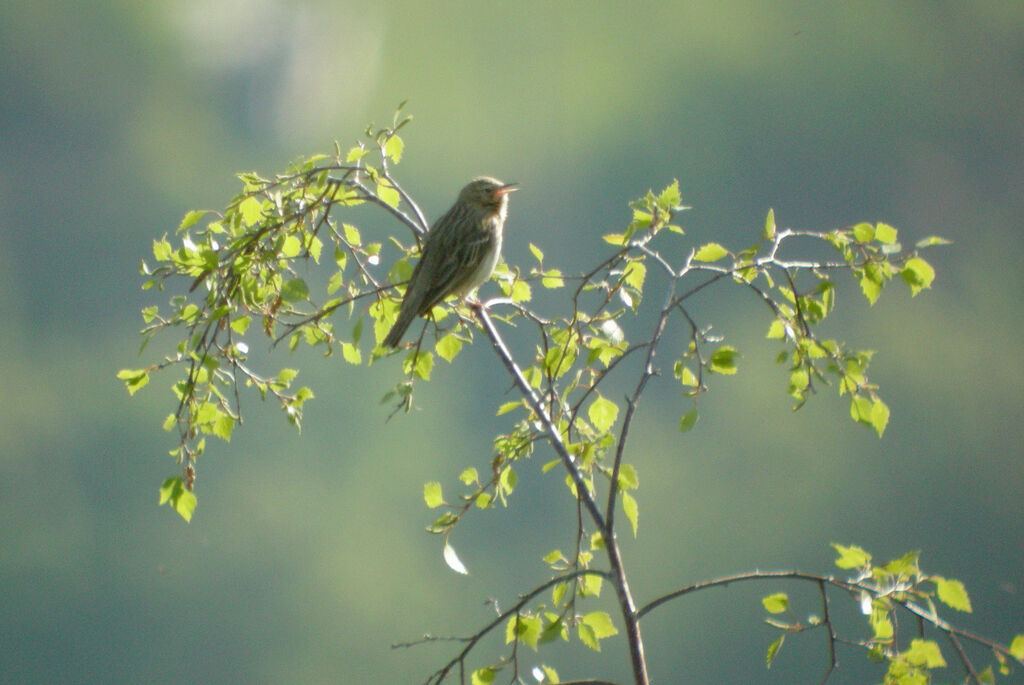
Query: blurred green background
[{"x": 307, "y": 557}]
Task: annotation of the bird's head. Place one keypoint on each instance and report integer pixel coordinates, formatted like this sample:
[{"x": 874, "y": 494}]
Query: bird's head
[{"x": 486, "y": 192}]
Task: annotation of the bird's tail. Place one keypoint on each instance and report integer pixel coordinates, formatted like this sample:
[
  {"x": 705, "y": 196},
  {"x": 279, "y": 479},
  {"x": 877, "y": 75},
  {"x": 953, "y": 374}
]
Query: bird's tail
[{"x": 405, "y": 319}]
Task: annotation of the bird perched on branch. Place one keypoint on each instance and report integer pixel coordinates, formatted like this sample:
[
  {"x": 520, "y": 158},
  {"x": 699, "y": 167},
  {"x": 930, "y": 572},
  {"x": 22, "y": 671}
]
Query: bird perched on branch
[{"x": 459, "y": 253}]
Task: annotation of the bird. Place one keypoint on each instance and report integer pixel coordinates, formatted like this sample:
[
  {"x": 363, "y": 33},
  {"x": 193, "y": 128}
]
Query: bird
[{"x": 459, "y": 253}]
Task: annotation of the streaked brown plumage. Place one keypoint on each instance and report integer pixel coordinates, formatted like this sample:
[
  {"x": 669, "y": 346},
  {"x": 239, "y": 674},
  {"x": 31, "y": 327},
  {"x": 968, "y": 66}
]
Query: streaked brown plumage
[{"x": 459, "y": 253}]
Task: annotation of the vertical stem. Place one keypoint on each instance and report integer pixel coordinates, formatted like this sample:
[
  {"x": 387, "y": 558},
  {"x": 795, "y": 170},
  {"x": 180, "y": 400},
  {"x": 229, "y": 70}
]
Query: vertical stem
[
  {"x": 626, "y": 605},
  {"x": 628, "y": 610}
]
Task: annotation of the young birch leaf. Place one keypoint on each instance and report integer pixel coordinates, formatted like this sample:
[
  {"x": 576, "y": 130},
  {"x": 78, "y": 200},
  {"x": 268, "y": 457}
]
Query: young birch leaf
[
  {"x": 952, "y": 593},
  {"x": 925, "y": 653},
  {"x": 871, "y": 288},
  {"x": 552, "y": 279},
  {"x": 918, "y": 274},
  {"x": 769, "y": 234},
  {"x": 776, "y": 603},
  {"x": 602, "y": 413},
  {"x": 601, "y": 623},
  {"x": 291, "y": 246},
  {"x": 294, "y": 290},
  {"x": 851, "y": 557},
  {"x": 448, "y": 347},
  {"x": 630, "y": 509},
  {"x": 711, "y": 252},
  {"x": 879, "y": 416},
  {"x": 350, "y": 353},
  {"x": 723, "y": 360},
  {"x": 482, "y": 676},
  {"x": 394, "y": 147},
  {"x": 863, "y": 233},
  {"x": 773, "y": 650},
  {"x": 634, "y": 275},
  {"x": 884, "y": 233},
  {"x": 251, "y": 210},
  {"x": 432, "y": 494},
  {"x": 688, "y": 421},
  {"x": 1017, "y": 647},
  {"x": 537, "y": 254}
]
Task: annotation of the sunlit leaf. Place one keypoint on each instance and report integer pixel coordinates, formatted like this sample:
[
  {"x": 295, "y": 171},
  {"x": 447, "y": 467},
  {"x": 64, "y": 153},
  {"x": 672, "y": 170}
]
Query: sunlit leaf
[
  {"x": 602, "y": 413},
  {"x": 453, "y": 561},
  {"x": 851, "y": 557},
  {"x": 710, "y": 252},
  {"x": 952, "y": 593},
  {"x": 776, "y": 603},
  {"x": 432, "y": 494}
]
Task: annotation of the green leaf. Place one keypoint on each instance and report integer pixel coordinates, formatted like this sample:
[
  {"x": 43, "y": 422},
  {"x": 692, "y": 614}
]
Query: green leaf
[
  {"x": 294, "y": 290},
  {"x": 173, "y": 492},
  {"x": 509, "y": 406},
  {"x": 134, "y": 379},
  {"x": 615, "y": 239},
  {"x": 634, "y": 275},
  {"x": 590, "y": 585},
  {"x": 952, "y": 593},
  {"x": 688, "y": 420},
  {"x": 432, "y": 495},
  {"x": 669, "y": 199},
  {"x": 925, "y": 653},
  {"x": 628, "y": 479},
  {"x": 448, "y": 347},
  {"x": 558, "y": 592},
  {"x": 424, "y": 363},
  {"x": 1017, "y": 647},
  {"x": 631, "y": 510},
  {"x": 190, "y": 219},
  {"x": 587, "y": 637},
  {"x": 162, "y": 250},
  {"x": 222, "y": 427},
  {"x": 521, "y": 292},
  {"x": 932, "y": 240},
  {"x": 352, "y": 237},
  {"x": 469, "y": 476},
  {"x": 711, "y": 252},
  {"x": 251, "y": 210},
  {"x": 555, "y": 556},
  {"x": 863, "y": 233},
  {"x": 884, "y": 233},
  {"x": 394, "y": 147},
  {"x": 879, "y": 418},
  {"x": 851, "y": 557},
  {"x": 776, "y": 603},
  {"x": 482, "y": 676},
  {"x": 773, "y": 650},
  {"x": 350, "y": 353},
  {"x": 387, "y": 194},
  {"x": 871, "y": 288},
  {"x": 769, "y": 234},
  {"x": 552, "y": 278},
  {"x": 918, "y": 275},
  {"x": 241, "y": 324},
  {"x": 881, "y": 625},
  {"x": 355, "y": 154},
  {"x": 601, "y": 623},
  {"x": 291, "y": 246},
  {"x": 602, "y": 413},
  {"x": 723, "y": 360},
  {"x": 537, "y": 254}
]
